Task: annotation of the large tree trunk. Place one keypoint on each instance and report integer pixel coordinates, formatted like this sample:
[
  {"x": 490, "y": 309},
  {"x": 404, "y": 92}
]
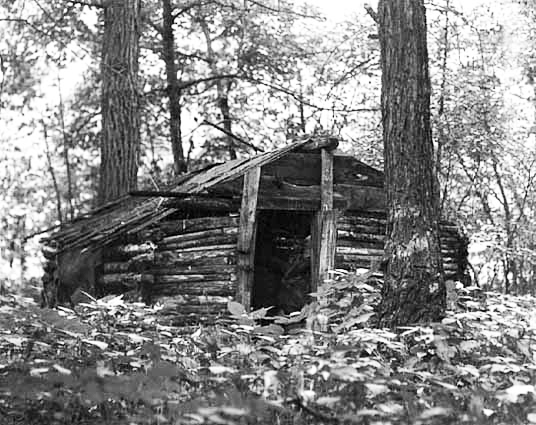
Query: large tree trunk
[
  {"x": 120, "y": 100},
  {"x": 414, "y": 289},
  {"x": 173, "y": 89}
]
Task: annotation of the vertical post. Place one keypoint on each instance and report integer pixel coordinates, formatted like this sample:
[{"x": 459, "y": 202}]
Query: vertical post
[
  {"x": 247, "y": 236},
  {"x": 324, "y": 231}
]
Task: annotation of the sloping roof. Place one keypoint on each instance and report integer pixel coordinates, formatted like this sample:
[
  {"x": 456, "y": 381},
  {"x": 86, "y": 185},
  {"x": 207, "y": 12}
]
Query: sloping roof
[{"x": 131, "y": 214}]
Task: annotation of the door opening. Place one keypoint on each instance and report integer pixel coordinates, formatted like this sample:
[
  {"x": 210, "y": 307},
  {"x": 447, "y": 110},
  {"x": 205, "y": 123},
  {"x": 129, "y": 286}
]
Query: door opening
[{"x": 282, "y": 276}]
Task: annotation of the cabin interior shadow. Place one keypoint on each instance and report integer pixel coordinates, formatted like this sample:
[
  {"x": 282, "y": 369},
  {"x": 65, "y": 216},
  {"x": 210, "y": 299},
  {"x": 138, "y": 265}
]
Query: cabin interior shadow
[{"x": 282, "y": 276}]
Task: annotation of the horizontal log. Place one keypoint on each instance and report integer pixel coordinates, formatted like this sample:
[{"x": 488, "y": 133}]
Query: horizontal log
[
  {"x": 296, "y": 204},
  {"x": 379, "y": 228},
  {"x": 194, "y": 259},
  {"x": 379, "y": 218},
  {"x": 362, "y": 197},
  {"x": 317, "y": 143},
  {"x": 217, "y": 204},
  {"x": 359, "y": 251},
  {"x": 203, "y": 250},
  {"x": 193, "y": 270},
  {"x": 193, "y": 300},
  {"x": 116, "y": 267},
  {"x": 185, "y": 321},
  {"x": 127, "y": 279},
  {"x": 126, "y": 252},
  {"x": 278, "y": 193},
  {"x": 303, "y": 169},
  {"x": 211, "y": 308},
  {"x": 190, "y": 225},
  {"x": 355, "y": 234},
  {"x": 180, "y": 278},
  {"x": 203, "y": 234},
  {"x": 199, "y": 243},
  {"x": 446, "y": 251},
  {"x": 194, "y": 288}
]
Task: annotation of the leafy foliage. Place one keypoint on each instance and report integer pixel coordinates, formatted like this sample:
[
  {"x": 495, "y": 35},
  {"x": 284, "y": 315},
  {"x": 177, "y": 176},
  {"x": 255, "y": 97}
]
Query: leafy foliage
[{"x": 113, "y": 362}]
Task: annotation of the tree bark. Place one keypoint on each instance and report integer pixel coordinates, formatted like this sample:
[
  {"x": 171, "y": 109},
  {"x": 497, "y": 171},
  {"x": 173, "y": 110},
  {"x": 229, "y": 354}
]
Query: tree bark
[
  {"x": 173, "y": 88},
  {"x": 414, "y": 289},
  {"x": 120, "y": 100}
]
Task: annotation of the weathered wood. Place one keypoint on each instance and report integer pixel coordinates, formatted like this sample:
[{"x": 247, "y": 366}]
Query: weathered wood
[
  {"x": 130, "y": 250},
  {"x": 362, "y": 197},
  {"x": 278, "y": 193},
  {"x": 196, "y": 204},
  {"x": 200, "y": 249},
  {"x": 127, "y": 279},
  {"x": 196, "y": 258},
  {"x": 199, "y": 243},
  {"x": 179, "y": 278},
  {"x": 296, "y": 204},
  {"x": 193, "y": 270},
  {"x": 209, "y": 308},
  {"x": 116, "y": 267},
  {"x": 324, "y": 143},
  {"x": 247, "y": 236},
  {"x": 358, "y": 250},
  {"x": 302, "y": 169},
  {"x": 191, "y": 225},
  {"x": 193, "y": 300},
  {"x": 215, "y": 287},
  {"x": 209, "y": 233},
  {"x": 324, "y": 226}
]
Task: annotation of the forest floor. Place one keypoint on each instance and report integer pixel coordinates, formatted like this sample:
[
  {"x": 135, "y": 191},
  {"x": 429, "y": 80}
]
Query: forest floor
[{"x": 111, "y": 362}]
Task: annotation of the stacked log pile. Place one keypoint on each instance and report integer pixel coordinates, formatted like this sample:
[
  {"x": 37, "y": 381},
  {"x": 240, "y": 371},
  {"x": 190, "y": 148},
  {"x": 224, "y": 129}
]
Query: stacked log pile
[
  {"x": 187, "y": 265},
  {"x": 361, "y": 237}
]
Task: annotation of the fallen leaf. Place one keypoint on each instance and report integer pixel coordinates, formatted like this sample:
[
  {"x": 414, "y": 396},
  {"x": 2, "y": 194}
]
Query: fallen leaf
[
  {"x": 61, "y": 369},
  {"x": 219, "y": 369},
  {"x": 39, "y": 371},
  {"x": 100, "y": 344},
  {"x": 327, "y": 401},
  {"x": 435, "y": 411}
]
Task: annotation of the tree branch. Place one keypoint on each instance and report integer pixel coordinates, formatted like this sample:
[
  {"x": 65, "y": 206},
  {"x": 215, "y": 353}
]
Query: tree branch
[
  {"x": 373, "y": 14},
  {"x": 235, "y": 137}
]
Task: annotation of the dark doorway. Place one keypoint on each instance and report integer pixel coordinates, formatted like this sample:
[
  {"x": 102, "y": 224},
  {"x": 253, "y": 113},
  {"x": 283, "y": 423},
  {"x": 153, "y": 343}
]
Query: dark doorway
[{"x": 282, "y": 276}]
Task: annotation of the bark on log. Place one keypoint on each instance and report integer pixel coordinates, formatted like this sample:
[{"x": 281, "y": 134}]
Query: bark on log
[
  {"x": 202, "y": 249},
  {"x": 116, "y": 267},
  {"x": 220, "y": 288},
  {"x": 203, "y": 234},
  {"x": 194, "y": 300},
  {"x": 302, "y": 169},
  {"x": 184, "y": 226},
  {"x": 180, "y": 278},
  {"x": 194, "y": 270},
  {"x": 126, "y": 279},
  {"x": 200, "y": 243},
  {"x": 211, "y": 308},
  {"x": 195, "y": 259}
]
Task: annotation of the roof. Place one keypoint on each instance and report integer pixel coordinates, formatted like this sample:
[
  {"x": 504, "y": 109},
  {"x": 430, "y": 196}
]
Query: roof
[{"x": 131, "y": 214}]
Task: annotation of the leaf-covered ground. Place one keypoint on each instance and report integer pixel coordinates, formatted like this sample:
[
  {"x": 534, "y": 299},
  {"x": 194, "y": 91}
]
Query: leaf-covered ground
[{"x": 111, "y": 362}]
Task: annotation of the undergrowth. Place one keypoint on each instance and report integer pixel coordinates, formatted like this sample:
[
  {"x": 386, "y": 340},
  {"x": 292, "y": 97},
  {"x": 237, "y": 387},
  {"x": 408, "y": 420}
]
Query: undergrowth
[{"x": 112, "y": 362}]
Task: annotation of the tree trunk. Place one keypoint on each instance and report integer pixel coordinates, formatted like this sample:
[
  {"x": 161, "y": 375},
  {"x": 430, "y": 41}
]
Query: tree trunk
[
  {"x": 120, "y": 100},
  {"x": 173, "y": 89},
  {"x": 414, "y": 289}
]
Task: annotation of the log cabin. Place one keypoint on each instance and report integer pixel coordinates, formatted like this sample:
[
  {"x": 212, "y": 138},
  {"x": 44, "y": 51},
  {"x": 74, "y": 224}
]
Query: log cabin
[{"x": 264, "y": 231}]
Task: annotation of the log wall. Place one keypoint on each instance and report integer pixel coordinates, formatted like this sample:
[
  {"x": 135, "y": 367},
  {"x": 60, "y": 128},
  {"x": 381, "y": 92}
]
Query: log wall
[
  {"x": 188, "y": 265},
  {"x": 361, "y": 236}
]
